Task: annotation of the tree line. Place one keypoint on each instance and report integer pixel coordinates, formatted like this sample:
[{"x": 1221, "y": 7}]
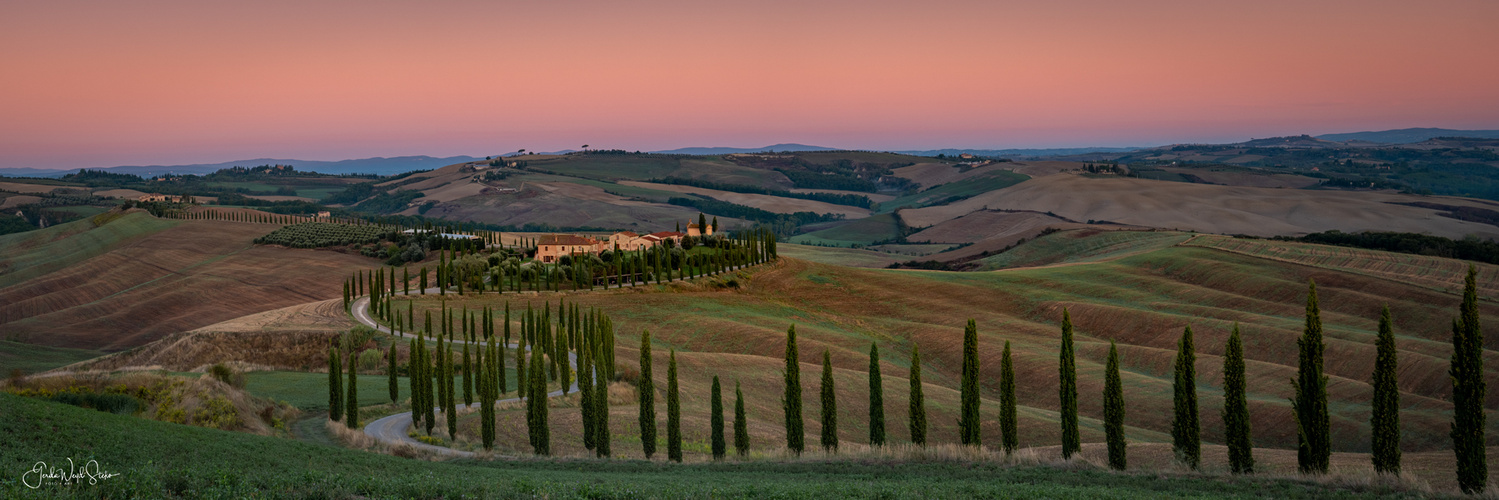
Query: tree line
[{"x": 473, "y": 268}]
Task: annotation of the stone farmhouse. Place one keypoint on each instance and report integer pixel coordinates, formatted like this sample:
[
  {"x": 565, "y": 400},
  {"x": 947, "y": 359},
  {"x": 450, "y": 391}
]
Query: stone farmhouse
[{"x": 553, "y": 246}]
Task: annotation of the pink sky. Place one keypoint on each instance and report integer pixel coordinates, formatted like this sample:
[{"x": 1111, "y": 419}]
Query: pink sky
[{"x": 167, "y": 82}]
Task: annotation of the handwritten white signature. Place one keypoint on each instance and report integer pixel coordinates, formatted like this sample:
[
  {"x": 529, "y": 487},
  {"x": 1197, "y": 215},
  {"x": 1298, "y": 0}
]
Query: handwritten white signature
[{"x": 41, "y": 472}]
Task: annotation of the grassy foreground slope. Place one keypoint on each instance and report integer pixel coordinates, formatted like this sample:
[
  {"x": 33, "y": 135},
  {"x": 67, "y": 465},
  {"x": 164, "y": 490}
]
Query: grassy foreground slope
[{"x": 161, "y": 460}]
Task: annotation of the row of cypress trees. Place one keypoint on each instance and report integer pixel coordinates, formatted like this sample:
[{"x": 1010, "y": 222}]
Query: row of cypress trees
[
  {"x": 343, "y": 402},
  {"x": 646, "y": 394},
  {"x": 1309, "y": 405},
  {"x": 749, "y": 247}
]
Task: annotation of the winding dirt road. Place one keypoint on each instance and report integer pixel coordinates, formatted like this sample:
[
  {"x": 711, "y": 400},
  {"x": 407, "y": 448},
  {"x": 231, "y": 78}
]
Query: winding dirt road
[{"x": 391, "y": 430}]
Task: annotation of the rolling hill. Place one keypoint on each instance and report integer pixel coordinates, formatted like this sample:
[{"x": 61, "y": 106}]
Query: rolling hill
[
  {"x": 137, "y": 278},
  {"x": 1408, "y": 135}
]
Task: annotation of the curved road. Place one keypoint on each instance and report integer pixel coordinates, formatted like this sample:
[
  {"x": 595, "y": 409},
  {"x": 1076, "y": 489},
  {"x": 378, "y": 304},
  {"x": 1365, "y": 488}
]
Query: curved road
[{"x": 391, "y": 430}]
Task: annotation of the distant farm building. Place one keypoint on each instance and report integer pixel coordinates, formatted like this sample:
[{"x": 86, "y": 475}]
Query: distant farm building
[
  {"x": 695, "y": 232},
  {"x": 553, "y": 246},
  {"x": 154, "y": 197}
]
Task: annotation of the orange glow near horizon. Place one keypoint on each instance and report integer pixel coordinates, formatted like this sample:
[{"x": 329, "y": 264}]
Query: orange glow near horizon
[{"x": 111, "y": 83}]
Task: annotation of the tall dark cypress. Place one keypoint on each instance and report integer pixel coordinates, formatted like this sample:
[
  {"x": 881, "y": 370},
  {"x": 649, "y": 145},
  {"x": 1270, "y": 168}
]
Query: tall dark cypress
[
  {"x": 791, "y": 401},
  {"x": 351, "y": 406},
  {"x": 1071, "y": 442},
  {"x": 1113, "y": 410},
  {"x": 468, "y": 379},
  {"x": 829, "y": 406},
  {"x": 1384, "y": 422},
  {"x": 1236, "y": 430},
  {"x": 601, "y": 413},
  {"x": 450, "y": 409},
  {"x": 585, "y": 399},
  {"x": 335, "y": 386},
  {"x": 488, "y": 393},
  {"x": 413, "y": 374},
  {"x": 499, "y": 361},
  {"x": 673, "y": 412},
  {"x": 1314, "y": 445},
  {"x": 390, "y": 371},
  {"x": 537, "y": 402},
  {"x": 876, "y": 398},
  {"x": 1008, "y": 427},
  {"x": 741, "y": 427},
  {"x": 715, "y": 423},
  {"x": 1468, "y": 391},
  {"x": 1185, "y": 425},
  {"x": 917, "y": 414},
  {"x": 968, "y": 418},
  {"x": 429, "y": 392},
  {"x": 647, "y": 393}
]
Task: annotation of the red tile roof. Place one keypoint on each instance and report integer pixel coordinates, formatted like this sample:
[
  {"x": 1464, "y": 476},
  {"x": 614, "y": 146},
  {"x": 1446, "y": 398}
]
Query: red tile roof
[{"x": 566, "y": 239}]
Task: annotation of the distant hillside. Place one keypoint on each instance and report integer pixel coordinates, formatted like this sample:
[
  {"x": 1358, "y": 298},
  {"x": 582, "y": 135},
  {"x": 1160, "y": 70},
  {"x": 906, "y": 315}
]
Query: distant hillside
[
  {"x": 1409, "y": 135},
  {"x": 381, "y": 166},
  {"x": 728, "y": 150},
  {"x": 1019, "y": 153}
]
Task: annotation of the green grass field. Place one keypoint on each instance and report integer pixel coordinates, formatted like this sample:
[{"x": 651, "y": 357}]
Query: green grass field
[
  {"x": 967, "y": 188},
  {"x": 162, "y": 460},
  {"x": 619, "y": 189},
  {"x": 864, "y": 231},
  {"x": 838, "y": 256},
  {"x": 29, "y": 254},
  {"x": 1070, "y": 247},
  {"x": 31, "y": 358},
  {"x": 81, "y": 210},
  {"x": 644, "y": 167}
]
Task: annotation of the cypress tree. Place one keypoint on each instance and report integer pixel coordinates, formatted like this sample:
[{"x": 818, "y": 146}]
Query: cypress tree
[
  {"x": 537, "y": 401},
  {"x": 468, "y": 379},
  {"x": 829, "y": 406},
  {"x": 351, "y": 408},
  {"x": 647, "y": 394},
  {"x": 917, "y": 414},
  {"x": 968, "y": 420},
  {"x": 1236, "y": 429},
  {"x": 1314, "y": 445},
  {"x": 1468, "y": 391},
  {"x": 791, "y": 401},
  {"x": 1071, "y": 442},
  {"x": 413, "y": 374},
  {"x": 450, "y": 409},
  {"x": 876, "y": 398},
  {"x": 585, "y": 399},
  {"x": 1384, "y": 422},
  {"x": 335, "y": 386},
  {"x": 601, "y": 413},
  {"x": 741, "y": 427},
  {"x": 673, "y": 412},
  {"x": 715, "y": 423},
  {"x": 499, "y": 360},
  {"x": 491, "y": 394},
  {"x": 520, "y": 363},
  {"x": 1185, "y": 427},
  {"x": 1113, "y": 410},
  {"x": 1008, "y": 428},
  {"x": 429, "y": 393},
  {"x": 390, "y": 368}
]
